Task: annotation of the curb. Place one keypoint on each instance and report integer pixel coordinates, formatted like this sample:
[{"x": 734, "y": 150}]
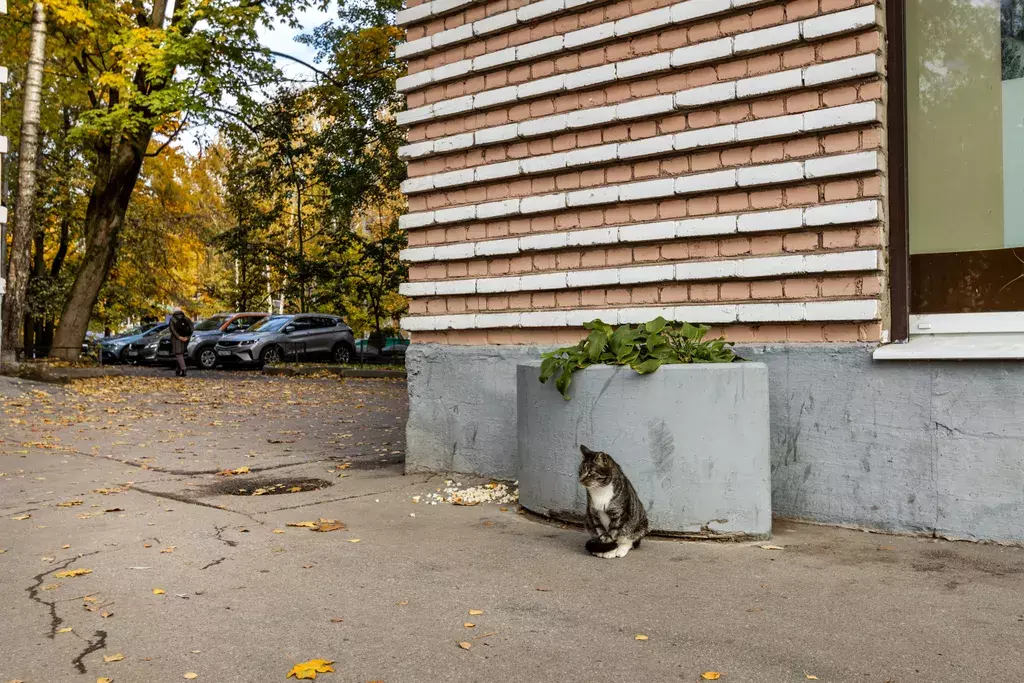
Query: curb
[{"x": 357, "y": 373}]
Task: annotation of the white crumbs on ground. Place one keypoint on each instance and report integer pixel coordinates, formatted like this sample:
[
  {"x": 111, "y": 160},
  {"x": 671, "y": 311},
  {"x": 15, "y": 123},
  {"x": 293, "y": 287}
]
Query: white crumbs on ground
[{"x": 473, "y": 495}]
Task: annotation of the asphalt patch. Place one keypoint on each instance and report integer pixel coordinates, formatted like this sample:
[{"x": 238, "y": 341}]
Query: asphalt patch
[{"x": 266, "y": 486}]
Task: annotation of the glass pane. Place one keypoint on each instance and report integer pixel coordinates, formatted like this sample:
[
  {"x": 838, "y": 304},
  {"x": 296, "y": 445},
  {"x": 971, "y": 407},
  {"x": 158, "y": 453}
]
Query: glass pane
[{"x": 965, "y": 138}]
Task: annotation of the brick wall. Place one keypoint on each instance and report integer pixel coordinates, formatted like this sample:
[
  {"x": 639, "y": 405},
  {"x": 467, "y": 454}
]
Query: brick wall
[{"x": 717, "y": 161}]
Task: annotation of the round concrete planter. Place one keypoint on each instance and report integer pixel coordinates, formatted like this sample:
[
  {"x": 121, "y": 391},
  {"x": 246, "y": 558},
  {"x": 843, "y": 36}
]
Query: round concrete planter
[{"x": 693, "y": 439}]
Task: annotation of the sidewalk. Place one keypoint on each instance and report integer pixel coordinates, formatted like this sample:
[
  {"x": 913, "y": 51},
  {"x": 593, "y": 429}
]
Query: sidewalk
[{"x": 245, "y": 603}]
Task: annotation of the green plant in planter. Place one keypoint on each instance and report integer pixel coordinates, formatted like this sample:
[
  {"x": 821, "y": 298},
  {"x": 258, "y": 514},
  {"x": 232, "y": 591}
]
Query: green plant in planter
[{"x": 645, "y": 348}]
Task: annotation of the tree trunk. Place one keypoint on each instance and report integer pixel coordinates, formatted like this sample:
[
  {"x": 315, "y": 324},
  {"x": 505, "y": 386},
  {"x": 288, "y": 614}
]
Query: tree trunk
[
  {"x": 18, "y": 268},
  {"x": 117, "y": 172}
]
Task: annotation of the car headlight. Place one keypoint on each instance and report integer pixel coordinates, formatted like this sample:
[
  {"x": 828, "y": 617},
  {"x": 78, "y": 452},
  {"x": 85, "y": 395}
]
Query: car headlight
[
  {"x": 247, "y": 342},
  {"x": 151, "y": 345}
]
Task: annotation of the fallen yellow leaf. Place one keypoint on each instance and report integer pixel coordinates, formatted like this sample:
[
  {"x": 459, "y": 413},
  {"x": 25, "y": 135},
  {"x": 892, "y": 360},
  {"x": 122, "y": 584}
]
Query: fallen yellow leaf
[
  {"x": 711, "y": 675},
  {"x": 402, "y": 602},
  {"x": 69, "y": 503},
  {"x": 354, "y": 540},
  {"x": 113, "y": 658},
  {"x": 810, "y": 677},
  {"x": 475, "y": 612},
  {"x": 311, "y": 668},
  {"x": 295, "y": 489},
  {"x": 465, "y": 646},
  {"x": 771, "y": 547},
  {"x": 64, "y": 630},
  {"x": 469, "y": 625},
  {"x": 104, "y": 679},
  {"x": 72, "y": 572},
  {"x": 65, "y": 547},
  {"x": 278, "y": 531},
  {"x": 21, "y": 517},
  {"x": 308, "y": 525},
  {"x": 169, "y": 549},
  {"x": 158, "y": 591},
  {"x": 190, "y": 675},
  {"x": 640, "y": 636},
  {"x": 328, "y": 525}
]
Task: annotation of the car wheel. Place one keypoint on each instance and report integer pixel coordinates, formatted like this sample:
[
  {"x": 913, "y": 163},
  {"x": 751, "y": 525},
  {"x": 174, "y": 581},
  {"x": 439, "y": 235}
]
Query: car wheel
[
  {"x": 341, "y": 354},
  {"x": 123, "y": 356},
  {"x": 271, "y": 354},
  {"x": 207, "y": 358}
]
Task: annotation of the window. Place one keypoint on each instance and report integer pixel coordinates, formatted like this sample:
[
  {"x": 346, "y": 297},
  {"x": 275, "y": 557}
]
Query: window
[{"x": 965, "y": 156}]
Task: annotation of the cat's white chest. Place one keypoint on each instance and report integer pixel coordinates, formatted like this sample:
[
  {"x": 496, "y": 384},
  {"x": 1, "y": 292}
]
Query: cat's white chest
[{"x": 600, "y": 499}]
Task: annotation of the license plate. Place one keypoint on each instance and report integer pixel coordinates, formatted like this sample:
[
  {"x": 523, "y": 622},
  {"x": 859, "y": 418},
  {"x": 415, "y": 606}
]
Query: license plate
[
  {"x": 223, "y": 353},
  {"x": 164, "y": 353},
  {"x": 132, "y": 352}
]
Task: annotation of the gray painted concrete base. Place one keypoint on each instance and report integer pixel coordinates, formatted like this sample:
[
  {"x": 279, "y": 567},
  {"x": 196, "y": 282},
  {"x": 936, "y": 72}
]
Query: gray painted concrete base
[
  {"x": 693, "y": 440},
  {"x": 905, "y": 446}
]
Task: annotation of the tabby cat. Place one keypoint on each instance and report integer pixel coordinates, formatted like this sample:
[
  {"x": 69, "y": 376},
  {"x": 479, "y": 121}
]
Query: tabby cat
[{"x": 615, "y": 515}]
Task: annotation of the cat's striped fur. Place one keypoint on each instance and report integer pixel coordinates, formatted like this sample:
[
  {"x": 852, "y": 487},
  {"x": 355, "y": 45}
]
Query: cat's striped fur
[{"x": 616, "y": 518}]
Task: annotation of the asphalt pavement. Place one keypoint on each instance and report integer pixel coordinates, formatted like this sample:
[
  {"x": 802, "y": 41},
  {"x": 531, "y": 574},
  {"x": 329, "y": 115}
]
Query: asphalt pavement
[{"x": 179, "y": 497}]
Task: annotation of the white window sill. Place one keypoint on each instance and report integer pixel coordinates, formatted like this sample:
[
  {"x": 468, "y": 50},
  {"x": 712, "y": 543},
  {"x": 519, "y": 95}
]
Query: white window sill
[{"x": 987, "y": 346}]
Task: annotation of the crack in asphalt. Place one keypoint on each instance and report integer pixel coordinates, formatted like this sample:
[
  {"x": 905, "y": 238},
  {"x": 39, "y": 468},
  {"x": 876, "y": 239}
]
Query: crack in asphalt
[
  {"x": 181, "y": 498},
  {"x": 343, "y": 498},
  {"x": 220, "y": 530},
  {"x": 92, "y": 646},
  {"x": 33, "y": 592},
  {"x": 213, "y": 564}
]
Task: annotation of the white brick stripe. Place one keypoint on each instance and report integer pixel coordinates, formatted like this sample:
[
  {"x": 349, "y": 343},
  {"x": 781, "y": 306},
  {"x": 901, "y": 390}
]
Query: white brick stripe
[
  {"x": 695, "y": 183},
  {"x": 762, "y": 129},
  {"x": 718, "y": 93},
  {"x": 425, "y": 10},
  {"x": 691, "y": 55},
  {"x": 687, "y": 271},
  {"x": 574, "y": 40},
  {"x": 476, "y": 29},
  {"x": 864, "y": 211},
  {"x": 853, "y": 310}
]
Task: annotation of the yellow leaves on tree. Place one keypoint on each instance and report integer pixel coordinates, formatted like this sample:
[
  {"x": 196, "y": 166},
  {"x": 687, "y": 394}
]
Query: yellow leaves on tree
[{"x": 311, "y": 668}]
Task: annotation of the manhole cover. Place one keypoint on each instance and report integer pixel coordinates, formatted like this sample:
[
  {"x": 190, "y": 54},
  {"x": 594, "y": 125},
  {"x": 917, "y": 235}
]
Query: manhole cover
[{"x": 266, "y": 486}]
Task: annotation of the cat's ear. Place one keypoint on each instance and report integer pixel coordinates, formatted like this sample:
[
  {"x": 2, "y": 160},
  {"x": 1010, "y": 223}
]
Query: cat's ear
[{"x": 587, "y": 453}]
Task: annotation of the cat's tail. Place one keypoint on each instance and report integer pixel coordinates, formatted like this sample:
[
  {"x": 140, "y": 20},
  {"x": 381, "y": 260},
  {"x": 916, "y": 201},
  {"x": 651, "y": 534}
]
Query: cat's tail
[{"x": 596, "y": 546}]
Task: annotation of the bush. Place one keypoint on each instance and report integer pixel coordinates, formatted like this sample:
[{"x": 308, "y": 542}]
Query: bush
[{"x": 645, "y": 348}]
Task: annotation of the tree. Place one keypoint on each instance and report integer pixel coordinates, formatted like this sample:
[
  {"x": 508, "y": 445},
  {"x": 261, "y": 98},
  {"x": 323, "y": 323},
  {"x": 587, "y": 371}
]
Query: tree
[
  {"x": 18, "y": 269},
  {"x": 149, "y": 69}
]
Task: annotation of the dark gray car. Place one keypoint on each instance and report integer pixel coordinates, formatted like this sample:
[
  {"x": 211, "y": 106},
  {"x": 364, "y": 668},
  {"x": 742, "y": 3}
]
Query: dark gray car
[{"x": 277, "y": 337}]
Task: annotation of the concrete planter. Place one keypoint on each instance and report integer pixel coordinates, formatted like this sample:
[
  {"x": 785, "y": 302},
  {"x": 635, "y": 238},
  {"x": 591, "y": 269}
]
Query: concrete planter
[{"x": 693, "y": 439}]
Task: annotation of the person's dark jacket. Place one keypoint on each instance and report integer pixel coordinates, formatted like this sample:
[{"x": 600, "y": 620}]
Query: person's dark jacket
[{"x": 181, "y": 326}]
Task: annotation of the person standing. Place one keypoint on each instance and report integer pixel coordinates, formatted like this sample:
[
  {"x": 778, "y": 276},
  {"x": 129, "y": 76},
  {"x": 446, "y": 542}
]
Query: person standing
[{"x": 181, "y": 330}]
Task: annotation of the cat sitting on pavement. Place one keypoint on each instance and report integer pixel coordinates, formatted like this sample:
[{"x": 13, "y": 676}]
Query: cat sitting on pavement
[{"x": 615, "y": 516}]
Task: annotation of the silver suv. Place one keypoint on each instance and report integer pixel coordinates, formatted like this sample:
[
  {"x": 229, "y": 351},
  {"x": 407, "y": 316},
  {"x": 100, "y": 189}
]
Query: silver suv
[{"x": 276, "y": 337}]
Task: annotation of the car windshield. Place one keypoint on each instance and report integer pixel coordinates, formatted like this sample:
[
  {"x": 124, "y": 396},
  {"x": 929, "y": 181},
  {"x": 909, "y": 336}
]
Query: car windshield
[
  {"x": 271, "y": 324},
  {"x": 157, "y": 329},
  {"x": 211, "y": 323}
]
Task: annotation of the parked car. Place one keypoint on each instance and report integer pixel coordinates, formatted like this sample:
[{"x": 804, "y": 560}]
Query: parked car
[
  {"x": 200, "y": 351},
  {"x": 115, "y": 349},
  {"x": 143, "y": 351},
  {"x": 392, "y": 351},
  {"x": 276, "y": 337}
]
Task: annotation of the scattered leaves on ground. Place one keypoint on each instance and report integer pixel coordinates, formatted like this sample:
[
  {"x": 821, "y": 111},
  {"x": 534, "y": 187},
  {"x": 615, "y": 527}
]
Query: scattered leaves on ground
[
  {"x": 237, "y": 470},
  {"x": 65, "y": 630},
  {"x": 469, "y": 624},
  {"x": 810, "y": 677},
  {"x": 771, "y": 547},
  {"x": 475, "y": 612},
  {"x": 169, "y": 549},
  {"x": 403, "y": 603},
  {"x": 72, "y": 572},
  {"x": 104, "y": 679},
  {"x": 311, "y": 668},
  {"x": 711, "y": 675},
  {"x": 336, "y": 620},
  {"x": 158, "y": 591},
  {"x": 113, "y": 658},
  {"x": 190, "y": 675},
  {"x": 465, "y": 646},
  {"x": 20, "y": 518},
  {"x": 70, "y": 503},
  {"x": 640, "y": 636},
  {"x": 278, "y": 531},
  {"x": 354, "y": 540}
]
